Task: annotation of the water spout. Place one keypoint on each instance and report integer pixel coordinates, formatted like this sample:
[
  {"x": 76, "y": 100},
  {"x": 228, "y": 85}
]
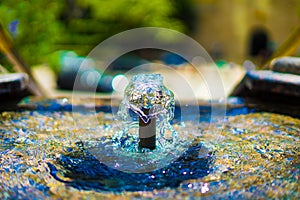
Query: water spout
[
  {"x": 147, "y": 131},
  {"x": 148, "y": 98},
  {"x": 143, "y": 138}
]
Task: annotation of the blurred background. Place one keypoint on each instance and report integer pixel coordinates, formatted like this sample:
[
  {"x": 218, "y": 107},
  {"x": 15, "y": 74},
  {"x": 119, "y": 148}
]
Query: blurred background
[{"x": 54, "y": 36}]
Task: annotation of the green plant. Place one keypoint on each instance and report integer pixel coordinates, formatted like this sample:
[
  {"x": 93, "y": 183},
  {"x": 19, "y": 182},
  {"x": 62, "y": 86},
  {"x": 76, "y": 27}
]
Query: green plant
[
  {"x": 40, "y": 27},
  {"x": 33, "y": 25}
]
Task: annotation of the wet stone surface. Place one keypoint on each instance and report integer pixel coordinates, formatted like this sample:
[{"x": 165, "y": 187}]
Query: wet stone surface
[{"x": 255, "y": 156}]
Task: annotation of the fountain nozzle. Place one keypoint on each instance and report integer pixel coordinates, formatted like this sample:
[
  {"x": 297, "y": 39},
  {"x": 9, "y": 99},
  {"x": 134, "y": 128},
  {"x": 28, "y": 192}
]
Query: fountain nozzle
[
  {"x": 147, "y": 132},
  {"x": 154, "y": 104}
]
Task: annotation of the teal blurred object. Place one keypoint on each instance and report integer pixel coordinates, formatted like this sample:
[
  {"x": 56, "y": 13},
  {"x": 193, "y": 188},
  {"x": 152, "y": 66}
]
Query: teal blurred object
[
  {"x": 89, "y": 77},
  {"x": 80, "y": 73}
]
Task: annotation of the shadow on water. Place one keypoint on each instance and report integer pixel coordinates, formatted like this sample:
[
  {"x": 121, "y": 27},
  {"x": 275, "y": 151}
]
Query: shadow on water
[{"x": 87, "y": 173}]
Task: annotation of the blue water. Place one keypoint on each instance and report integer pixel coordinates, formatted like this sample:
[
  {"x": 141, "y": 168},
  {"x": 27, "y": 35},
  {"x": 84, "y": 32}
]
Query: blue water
[{"x": 87, "y": 173}]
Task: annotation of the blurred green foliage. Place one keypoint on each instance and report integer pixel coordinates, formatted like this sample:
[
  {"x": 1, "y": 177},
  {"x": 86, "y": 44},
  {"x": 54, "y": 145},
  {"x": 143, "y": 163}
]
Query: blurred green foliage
[
  {"x": 33, "y": 26},
  {"x": 91, "y": 21},
  {"x": 40, "y": 27},
  {"x": 134, "y": 13}
]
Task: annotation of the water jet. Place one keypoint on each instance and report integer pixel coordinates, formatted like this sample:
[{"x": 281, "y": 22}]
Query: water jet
[{"x": 152, "y": 102}]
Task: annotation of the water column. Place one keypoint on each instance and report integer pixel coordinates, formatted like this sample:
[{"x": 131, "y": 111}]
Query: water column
[{"x": 147, "y": 99}]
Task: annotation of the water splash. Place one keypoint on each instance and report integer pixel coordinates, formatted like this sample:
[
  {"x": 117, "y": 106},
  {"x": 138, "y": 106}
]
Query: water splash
[
  {"x": 146, "y": 92},
  {"x": 121, "y": 149}
]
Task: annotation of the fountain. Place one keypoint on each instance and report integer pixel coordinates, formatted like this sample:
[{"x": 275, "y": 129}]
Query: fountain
[
  {"x": 154, "y": 104},
  {"x": 142, "y": 139},
  {"x": 148, "y": 152},
  {"x": 145, "y": 150},
  {"x": 41, "y": 157}
]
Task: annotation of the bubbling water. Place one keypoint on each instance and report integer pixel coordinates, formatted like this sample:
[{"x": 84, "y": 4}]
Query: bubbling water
[
  {"x": 121, "y": 150},
  {"x": 147, "y": 92}
]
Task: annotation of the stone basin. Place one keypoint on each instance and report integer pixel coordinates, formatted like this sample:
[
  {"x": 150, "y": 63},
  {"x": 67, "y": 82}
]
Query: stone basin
[{"x": 254, "y": 156}]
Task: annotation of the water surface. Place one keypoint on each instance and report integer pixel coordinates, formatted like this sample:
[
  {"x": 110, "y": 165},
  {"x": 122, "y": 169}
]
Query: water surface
[{"x": 255, "y": 156}]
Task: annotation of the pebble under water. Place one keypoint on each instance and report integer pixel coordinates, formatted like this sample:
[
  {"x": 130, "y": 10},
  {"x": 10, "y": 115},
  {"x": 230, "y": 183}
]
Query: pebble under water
[{"x": 255, "y": 156}]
